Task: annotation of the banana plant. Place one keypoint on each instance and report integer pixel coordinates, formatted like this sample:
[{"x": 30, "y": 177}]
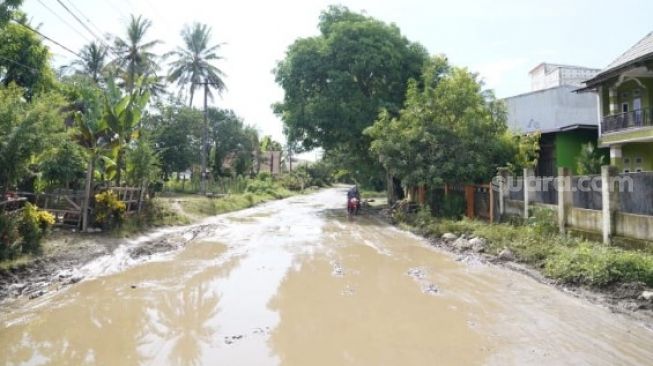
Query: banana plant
[{"x": 122, "y": 119}]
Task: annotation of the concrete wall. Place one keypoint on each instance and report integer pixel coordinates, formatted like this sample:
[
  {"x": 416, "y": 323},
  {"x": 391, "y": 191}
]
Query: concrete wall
[
  {"x": 514, "y": 208},
  {"x": 550, "y": 109},
  {"x": 634, "y": 226},
  {"x": 584, "y": 219}
]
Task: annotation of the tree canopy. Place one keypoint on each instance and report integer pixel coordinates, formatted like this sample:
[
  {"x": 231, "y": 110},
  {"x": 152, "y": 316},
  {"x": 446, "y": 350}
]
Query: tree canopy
[
  {"x": 449, "y": 130},
  {"x": 336, "y": 83}
]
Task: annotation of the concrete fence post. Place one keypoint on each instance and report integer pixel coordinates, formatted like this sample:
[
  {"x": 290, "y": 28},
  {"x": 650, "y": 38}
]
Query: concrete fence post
[
  {"x": 565, "y": 200},
  {"x": 610, "y": 202},
  {"x": 502, "y": 179},
  {"x": 528, "y": 181}
]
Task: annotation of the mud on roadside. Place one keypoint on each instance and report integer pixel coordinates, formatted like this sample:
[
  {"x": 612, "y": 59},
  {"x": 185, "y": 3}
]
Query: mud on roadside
[
  {"x": 68, "y": 252},
  {"x": 624, "y": 298}
]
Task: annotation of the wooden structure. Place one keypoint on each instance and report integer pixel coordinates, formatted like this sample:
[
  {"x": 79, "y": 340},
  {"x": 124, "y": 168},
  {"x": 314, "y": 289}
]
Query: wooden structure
[{"x": 66, "y": 205}]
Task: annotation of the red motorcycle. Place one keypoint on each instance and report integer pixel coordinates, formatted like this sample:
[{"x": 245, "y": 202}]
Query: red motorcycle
[{"x": 353, "y": 205}]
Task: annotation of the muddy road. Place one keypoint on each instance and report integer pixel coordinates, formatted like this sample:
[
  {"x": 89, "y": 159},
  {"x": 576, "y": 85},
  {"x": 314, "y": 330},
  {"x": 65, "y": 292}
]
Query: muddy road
[{"x": 295, "y": 282}]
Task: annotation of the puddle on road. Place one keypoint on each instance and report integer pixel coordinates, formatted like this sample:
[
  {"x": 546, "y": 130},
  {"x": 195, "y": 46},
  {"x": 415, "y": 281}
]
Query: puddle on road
[{"x": 307, "y": 286}]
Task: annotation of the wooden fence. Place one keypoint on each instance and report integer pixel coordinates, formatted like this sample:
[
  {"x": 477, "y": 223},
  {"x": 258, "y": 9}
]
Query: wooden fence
[{"x": 66, "y": 205}]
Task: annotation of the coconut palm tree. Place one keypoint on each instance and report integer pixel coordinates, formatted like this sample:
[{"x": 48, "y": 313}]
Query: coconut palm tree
[
  {"x": 192, "y": 63},
  {"x": 134, "y": 56},
  {"x": 92, "y": 62}
]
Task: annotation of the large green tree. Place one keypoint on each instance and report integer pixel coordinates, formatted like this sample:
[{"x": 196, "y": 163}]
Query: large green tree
[
  {"x": 24, "y": 60},
  {"x": 193, "y": 63},
  {"x": 234, "y": 141},
  {"x": 7, "y": 9},
  {"x": 450, "y": 130},
  {"x": 336, "y": 83},
  {"x": 27, "y": 129},
  {"x": 177, "y": 135}
]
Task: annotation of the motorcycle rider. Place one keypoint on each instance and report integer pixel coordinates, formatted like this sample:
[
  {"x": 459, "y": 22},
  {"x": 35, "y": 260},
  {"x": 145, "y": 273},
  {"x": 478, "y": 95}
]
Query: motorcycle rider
[{"x": 353, "y": 192}]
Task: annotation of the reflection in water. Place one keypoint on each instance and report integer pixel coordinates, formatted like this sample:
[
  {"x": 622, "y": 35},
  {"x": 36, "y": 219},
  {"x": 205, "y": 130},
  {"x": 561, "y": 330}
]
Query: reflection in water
[
  {"x": 77, "y": 332},
  {"x": 183, "y": 318}
]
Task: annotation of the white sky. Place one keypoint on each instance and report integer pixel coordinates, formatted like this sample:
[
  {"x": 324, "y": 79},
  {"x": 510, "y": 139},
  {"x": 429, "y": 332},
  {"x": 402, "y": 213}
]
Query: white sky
[{"x": 501, "y": 39}]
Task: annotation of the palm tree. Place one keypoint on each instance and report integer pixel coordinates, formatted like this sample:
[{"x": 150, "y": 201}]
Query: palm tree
[
  {"x": 134, "y": 56},
  {"x": 92, "y": 62},
  {"x": 192, "y": 63}
]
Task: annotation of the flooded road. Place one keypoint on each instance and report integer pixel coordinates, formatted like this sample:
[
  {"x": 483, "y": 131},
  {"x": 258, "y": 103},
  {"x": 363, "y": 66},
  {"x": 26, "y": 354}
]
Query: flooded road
[{"x": 295, "y": 282}]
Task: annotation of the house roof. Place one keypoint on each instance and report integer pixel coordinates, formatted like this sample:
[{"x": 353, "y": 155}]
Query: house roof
[
  {"x": 572, "y": 127},
  {"x": 641, "y": 51}
]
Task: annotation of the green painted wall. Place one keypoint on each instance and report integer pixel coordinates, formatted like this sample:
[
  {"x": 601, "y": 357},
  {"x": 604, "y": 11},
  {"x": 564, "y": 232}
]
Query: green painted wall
[
  {"x": 632, "y": 152},
  {"x": 568, "y": 145}
]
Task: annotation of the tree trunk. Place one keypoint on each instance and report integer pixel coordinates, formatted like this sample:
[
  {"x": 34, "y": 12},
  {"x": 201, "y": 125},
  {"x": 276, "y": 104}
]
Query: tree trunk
[
  {"x": 87, "y": 195},
  {"x": 119, "y": 162}
]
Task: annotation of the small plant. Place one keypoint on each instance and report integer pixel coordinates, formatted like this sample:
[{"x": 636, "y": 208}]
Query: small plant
[
  {"x": 109, "y": 210},
  {"x": 543, "y": 221},
  {"x": 32, "y": 226}
]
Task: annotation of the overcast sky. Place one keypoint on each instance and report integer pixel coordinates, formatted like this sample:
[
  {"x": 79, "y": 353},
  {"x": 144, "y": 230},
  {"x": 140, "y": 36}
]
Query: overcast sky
[{"x": 500, "y": 39}]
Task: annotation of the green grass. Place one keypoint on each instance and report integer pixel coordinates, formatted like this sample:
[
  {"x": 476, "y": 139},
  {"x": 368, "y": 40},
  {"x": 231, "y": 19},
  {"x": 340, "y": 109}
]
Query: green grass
[{"x": 564, "y": 258}]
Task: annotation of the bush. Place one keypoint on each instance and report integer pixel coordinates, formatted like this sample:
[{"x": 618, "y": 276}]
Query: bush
[
  {"x": 598, "y": 265},
  {"x": 32, "y": 226},
  {"x": 109, "y": 210},
  {"x": 544, "y": 221},
  {"x": 453, "y": 206},
  {"x": 9, "y": 244},
  {"x": 265, "y": 187}
]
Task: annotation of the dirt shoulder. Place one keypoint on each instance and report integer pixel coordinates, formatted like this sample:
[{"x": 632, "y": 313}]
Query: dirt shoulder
[
  {"x": 623, "y": 298},
  {"x": 66, "y": 251}
]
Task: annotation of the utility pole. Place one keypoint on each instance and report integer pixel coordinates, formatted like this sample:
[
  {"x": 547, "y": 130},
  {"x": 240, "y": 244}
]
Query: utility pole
[
  {"x": 204, "y": 151},
  {"x": 205, "y": 139}
]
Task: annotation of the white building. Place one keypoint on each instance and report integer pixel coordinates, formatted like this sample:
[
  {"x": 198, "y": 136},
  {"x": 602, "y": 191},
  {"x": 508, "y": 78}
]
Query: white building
[
  {"x": 546, "y": 75},
  {"x": 551, "y": 109}
]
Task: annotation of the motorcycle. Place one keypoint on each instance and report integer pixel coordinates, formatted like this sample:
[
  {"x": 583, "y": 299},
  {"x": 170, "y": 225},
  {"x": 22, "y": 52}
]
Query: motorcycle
[{"x": 353, "y": 205}]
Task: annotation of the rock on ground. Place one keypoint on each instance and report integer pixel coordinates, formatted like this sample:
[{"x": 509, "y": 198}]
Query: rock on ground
[
  {"x": 478, "y": 244},
  {"x": 506, "y": 255},
  {"x": 449, "y": 236}
]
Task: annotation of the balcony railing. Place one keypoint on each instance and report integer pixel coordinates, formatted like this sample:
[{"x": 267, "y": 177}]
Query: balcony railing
[{"x": 633, "y": 119}]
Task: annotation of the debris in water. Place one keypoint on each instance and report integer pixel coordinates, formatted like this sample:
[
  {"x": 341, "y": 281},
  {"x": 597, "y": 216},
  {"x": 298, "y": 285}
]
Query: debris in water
[
  {"x": 338, "y": 271},
  {"x": 232, "y": 339},
  {"x": 430, "y": 289}
]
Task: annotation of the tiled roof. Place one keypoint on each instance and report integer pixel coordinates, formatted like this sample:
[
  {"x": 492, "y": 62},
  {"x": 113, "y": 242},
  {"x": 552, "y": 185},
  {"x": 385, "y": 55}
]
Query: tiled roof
[{"x": 641, "y": 48}]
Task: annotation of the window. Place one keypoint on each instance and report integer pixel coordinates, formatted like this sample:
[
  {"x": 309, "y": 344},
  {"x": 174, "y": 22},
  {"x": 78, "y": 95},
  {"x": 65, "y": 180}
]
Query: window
[{"x": 624, "y": 108}]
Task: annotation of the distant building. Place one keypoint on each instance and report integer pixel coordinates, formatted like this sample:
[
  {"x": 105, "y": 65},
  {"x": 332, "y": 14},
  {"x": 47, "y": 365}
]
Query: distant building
[
  {"x": 625, "y": 92},
  {"x": 546, "y": 75},
  {"x": 566, "y": 120}
]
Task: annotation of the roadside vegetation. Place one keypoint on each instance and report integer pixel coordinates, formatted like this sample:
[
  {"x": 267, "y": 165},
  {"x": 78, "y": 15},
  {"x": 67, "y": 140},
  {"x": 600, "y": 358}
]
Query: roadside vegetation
[
  {"x": 121, "y": 115},
  {"x": 537, "y": 243}
]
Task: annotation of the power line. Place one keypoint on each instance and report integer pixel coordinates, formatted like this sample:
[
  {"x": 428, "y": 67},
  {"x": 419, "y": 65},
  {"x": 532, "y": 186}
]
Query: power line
[
  {"x": 49, "y": 39},
  {"x": 80, "y": 21},
  {"x": 88, "y": 20},
  {"x": 115, "y": 8},
  {"x": 32, "y": 69},
  {"x": 63, "y": 20}
]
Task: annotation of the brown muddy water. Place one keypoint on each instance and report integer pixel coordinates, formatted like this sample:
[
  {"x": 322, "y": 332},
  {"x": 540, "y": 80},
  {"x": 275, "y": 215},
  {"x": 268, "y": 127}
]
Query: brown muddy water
[{"x": 295, "y": 282}]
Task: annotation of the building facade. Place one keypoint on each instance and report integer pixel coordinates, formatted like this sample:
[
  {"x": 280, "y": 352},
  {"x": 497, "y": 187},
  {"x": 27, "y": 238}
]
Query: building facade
[
  {"x": 566, "y": 121},
  {"x": 548, "y": 75},
  {"x": 625, "y": 107}
]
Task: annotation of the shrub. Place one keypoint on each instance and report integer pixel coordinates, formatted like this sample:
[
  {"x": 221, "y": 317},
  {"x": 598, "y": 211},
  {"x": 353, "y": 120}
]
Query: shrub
[
  {"x": 598, "y": 265},
  {"x": 544, "y": 221},
  {"x": 109, "y": 210},
  {"x": 453, "y": 206},
  {"x": 32, "y": 226},
  {"x": 8, "y": 236}
]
